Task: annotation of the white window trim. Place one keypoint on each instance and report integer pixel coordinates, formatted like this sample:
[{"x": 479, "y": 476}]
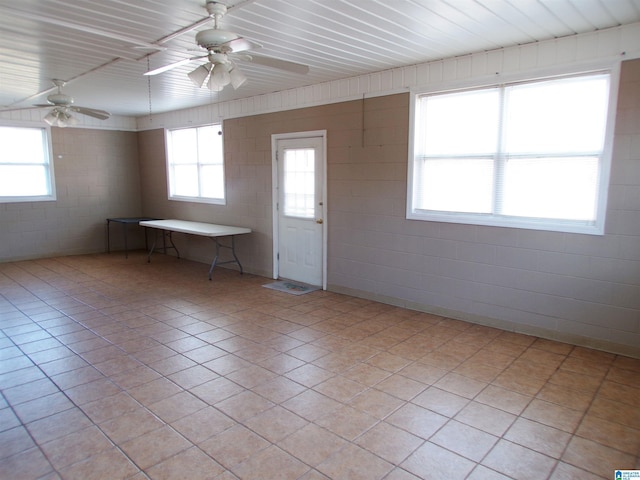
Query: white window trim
[
  {"x": 596, "y": 228},
  {"x": 183, "y": 198},
  {"x": 49, "y": 151}
]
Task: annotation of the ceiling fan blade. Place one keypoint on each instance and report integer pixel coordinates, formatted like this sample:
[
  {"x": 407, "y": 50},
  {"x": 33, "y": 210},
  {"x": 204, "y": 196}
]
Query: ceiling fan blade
[
  {"x": 22, "y": 108},
  {"x": 171, "y": 66},
  {"x": 241, "y": 44},
  {"x": 92, "y": 112},
  {"x": 280, "y": 64}
]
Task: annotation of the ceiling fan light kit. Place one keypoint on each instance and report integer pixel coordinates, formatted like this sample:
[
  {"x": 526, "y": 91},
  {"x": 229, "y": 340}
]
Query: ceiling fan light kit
[{"x": 59, "y": 117}]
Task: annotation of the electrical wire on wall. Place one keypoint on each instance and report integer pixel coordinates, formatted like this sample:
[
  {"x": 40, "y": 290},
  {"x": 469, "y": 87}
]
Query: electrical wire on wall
[
  {"x": 362, "y": 122},
  {"x": 149, "y": 92}
]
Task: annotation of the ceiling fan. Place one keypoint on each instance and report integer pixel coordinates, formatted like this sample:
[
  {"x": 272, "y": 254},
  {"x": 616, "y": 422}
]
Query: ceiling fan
[
  {"x": 223, "y": 47},
  {"x": 60, "y": 114}
]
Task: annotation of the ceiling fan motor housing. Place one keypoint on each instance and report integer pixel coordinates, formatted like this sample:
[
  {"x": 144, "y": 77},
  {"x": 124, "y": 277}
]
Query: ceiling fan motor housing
[
  {"x": 214, "y": 37},
  {"x": 59, "y": 99}
]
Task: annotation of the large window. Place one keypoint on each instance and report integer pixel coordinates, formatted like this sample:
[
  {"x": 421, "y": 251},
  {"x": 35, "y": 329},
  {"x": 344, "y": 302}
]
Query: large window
[
  {"x": 195, "y": 167},
  {"x": 26, "y": 173},
  {"x": 527, "y": 154}
]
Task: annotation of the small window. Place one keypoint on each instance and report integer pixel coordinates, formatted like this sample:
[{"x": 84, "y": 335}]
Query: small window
[
  {"x": 26, "y": 173},
  {"x": 527, "y": 154},
  {"x": 195, "y": 166}
]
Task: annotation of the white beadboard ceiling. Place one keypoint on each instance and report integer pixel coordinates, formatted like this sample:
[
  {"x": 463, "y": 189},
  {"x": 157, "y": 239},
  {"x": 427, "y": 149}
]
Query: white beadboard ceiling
[{"x": 103, "y": 47}]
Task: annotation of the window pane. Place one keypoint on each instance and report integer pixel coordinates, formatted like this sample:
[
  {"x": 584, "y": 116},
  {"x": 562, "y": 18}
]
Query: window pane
[
  {"x": 184, "y": 146},
  {"x": 185, "y": 180},
  {"x": 460, "y": 185},
  {"x": 23, "y": 145},
  {"x": 209, "y": 145},
  {"x": 299, "y": 182},
  {"x": 23, "y": 180},
  {"x": 560, "y": 116},
  {"x": 212, "y": 181},
  {"x": 459, "y": 124},
  {"x": 558, "y": 188}
]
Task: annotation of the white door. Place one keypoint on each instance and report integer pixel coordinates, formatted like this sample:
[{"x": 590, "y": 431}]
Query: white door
[{"x": 299, "y": 210}]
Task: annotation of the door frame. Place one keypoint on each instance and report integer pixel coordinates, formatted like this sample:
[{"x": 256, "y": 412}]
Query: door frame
[{"x": 274, "y": 196}]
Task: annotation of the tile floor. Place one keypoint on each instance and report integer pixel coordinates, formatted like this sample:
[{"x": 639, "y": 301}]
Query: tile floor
[{"x": 114, "y": 368}]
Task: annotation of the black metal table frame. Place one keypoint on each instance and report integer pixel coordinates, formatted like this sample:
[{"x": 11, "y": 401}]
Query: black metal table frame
[{"x": 126, "y": 221}]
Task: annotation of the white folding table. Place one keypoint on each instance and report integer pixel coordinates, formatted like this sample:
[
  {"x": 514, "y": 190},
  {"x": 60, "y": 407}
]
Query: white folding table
[{"x": 210, "y": 230}]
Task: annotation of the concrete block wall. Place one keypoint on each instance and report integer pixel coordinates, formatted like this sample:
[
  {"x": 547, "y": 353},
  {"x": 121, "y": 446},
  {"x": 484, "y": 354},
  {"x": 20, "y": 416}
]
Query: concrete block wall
[{"x": 97, "y": 176}]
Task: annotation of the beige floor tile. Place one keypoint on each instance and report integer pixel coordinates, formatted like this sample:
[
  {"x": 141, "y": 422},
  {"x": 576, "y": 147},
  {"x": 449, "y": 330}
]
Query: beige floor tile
[
  {"x": 440, "y": 401},
  {"x": 279, "y": 389},
  {"x": 486, "y": 418},
  {"x": 519, "y": 462},
  {"x": 311, "y": 405},
  {"x": 553, "y": 415},
  {"x": 111, "y": 463},
  {"x": 151, "y": 448},
  {"x": 28, "y": 464},
  {"x": 483, "y": 473},
  {"x": 92, "y": 391},
  {"x": 564, "y": 471},
  {"x": 76, "y": 447},
  {"x": 464, "y": 440},
  {"x": 281, "y": 363},
  {"x": 203, "y": 424},
  {"x": 390, "y": 443},
  {"x": 309, "y": 375},
  {"x": 615, "y": 411},
  {"x": 433, "y": 462},
  {"x": 340, "y": 388},
  {"x": 355, "y": 463},
  {"x": 189, "y": 464},
  {"x": 312, "y": 444},
  {"x": 130, "y": 425},
  {"x": 234, "y": 446},
  {"x": 506, "y": 400},
  {"x": 376, "y": 403},
  {"x": 177, "y": 406},
  {"x": 565, "y": 397},
  {"x": 154, "y": 391},
  {"x": 417, "y": 420},
  {"x": 347, "y": 422},
  {"x": 42, "y": 407},
  {"x": 401, "y": 387},
  {"x": 610, "y": 434},
  {"x": 596, "y": 458},
  {"x": 276, "y": 423},
  {"x": 58, "y": 425},
  {"x": 271, "y": 463},
  {"x": 216, "y": 390},
  {"x": 536, "y": 436},
  {"x": 14, "y": 441},
  {"x": 192, "y": 376},
  {"x": 460, "y": 385},
  {"x": 244, "y": 405}
]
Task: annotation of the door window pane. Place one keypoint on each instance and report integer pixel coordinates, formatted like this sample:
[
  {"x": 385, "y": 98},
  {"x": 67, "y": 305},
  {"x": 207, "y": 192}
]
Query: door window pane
[{"x": 299, "y": 182}]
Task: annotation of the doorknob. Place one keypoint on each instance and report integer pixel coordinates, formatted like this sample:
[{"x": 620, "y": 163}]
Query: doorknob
[{"x": 319, "y": 220}]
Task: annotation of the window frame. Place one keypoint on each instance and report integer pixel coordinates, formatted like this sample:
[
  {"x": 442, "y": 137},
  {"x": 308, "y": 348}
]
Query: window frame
[
  {"x": 169, "y": 168},
  {"x": 48, "y": 164},
  {"x": 597, "y": 227}
]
